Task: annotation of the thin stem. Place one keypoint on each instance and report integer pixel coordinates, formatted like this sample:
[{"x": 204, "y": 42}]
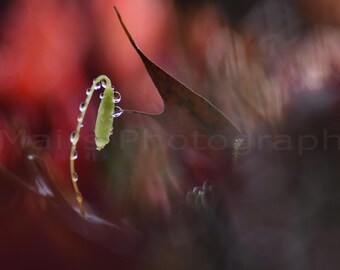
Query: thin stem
[{"x": 75, "y": 137}]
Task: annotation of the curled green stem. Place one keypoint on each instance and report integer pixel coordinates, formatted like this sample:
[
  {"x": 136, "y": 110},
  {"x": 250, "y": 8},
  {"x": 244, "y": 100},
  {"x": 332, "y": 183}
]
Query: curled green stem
[{"x": 75, "y": 137}]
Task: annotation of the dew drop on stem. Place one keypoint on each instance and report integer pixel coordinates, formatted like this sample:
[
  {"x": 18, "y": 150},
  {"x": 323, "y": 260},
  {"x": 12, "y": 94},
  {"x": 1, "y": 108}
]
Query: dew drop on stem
[
  {"x": 74, "y": 177},
  {"x": 101, "y": 95},
  {"x": 88, "y": 90},
  {"x": 103, "y": 83},
  {"x": 82, "y": 106},
  {"x": 74, "y": 155},
  {"x": 116, "y": 97},
  {"x": 118, "y": 112},
  {"x": 97, "y": 86},
  {"x": 74, "y": 137}
]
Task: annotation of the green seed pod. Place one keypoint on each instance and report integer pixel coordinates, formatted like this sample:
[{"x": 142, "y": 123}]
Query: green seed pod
[{"x": 104, "y": 120}]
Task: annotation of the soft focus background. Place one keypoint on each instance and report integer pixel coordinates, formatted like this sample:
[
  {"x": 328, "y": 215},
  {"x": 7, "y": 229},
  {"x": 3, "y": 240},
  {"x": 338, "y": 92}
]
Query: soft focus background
[{"x": 271, "y": 66}]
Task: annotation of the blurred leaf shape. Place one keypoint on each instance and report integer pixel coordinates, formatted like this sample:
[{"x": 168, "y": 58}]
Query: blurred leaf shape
[
  {"x": 187, "y": 115},
  {"x": 175, "y": 93}
]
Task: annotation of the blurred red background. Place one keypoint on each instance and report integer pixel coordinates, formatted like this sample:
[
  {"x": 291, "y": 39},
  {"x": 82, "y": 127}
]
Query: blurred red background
[{"x": 50, "y": 51}]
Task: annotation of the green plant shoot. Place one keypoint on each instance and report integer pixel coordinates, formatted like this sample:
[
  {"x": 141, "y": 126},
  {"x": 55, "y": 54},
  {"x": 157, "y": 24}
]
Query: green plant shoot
[
  {"x": 103, "y": 128},
  {"x": 104, "y": 122}
]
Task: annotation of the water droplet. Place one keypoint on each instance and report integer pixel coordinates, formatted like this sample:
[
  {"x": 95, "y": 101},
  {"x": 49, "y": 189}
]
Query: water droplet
[
  {"x": 103, "y": 83},
  {"x": 88, "y": 90},
  {"x": 82, "y": 106},
  {"x": 73, "y": 134},
  {"x": 101, "y": 95},
  {"x": 74, "y": 155},
  {"x": 118, "y": 111},
  {"x": 117, "y": 97},
  {"x": 80, "y": 117},
  {"x": 74, "y": 177},
  {"x": 74, "y": 137},
  {"x": 97, "y": 86},
  {"x": 30, "y": 157}
]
